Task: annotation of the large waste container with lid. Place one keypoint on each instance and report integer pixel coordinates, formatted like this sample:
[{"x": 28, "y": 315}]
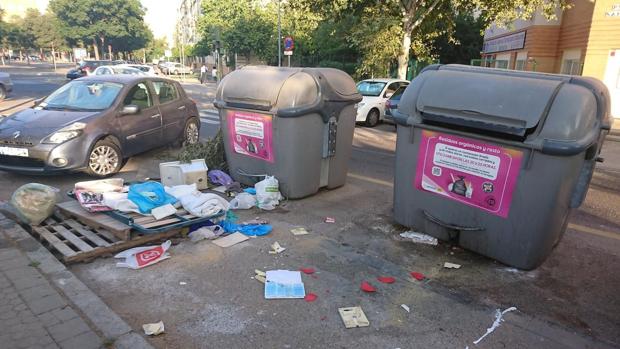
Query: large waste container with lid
[
  {"x": 292, "y": 123},
  {"x": 495, "y": 160}
]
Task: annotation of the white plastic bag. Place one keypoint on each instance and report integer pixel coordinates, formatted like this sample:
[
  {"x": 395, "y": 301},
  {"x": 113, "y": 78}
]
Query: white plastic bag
[
  {"x": 243, "y": 201},
  {"x": 268, "y": 193},
  {"x": 140, "y": 257}
]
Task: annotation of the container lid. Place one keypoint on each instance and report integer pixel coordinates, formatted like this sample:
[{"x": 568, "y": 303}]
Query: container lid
[{"x": 496, "y": 102}]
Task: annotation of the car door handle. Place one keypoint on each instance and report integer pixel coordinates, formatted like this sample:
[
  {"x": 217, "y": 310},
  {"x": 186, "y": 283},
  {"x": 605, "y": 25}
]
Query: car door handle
[
  {"x": 181, "y": 107},
  {"x": 155, "y": 116}
]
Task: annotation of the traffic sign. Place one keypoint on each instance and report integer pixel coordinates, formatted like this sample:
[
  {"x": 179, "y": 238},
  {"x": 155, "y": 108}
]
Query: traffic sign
[
  {"x": 288, "y": 53},
  {"x": 289, "y": 44}
]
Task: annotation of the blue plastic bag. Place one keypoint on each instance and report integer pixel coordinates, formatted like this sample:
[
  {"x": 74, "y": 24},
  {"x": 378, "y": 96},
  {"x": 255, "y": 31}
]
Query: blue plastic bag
[
  {"x": 249, "y": 230},
  {"x": 149, "y": 195}
]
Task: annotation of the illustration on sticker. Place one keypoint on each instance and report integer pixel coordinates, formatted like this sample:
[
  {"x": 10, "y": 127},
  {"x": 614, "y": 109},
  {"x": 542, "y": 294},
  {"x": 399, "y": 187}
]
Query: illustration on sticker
[
  {"x": 474, "y": 173},
  {"x": 251, "y": 134}
]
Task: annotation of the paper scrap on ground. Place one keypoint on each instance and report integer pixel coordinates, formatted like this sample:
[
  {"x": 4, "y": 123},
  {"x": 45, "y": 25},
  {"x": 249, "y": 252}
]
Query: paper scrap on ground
[
  {"x": 299, "y": 231},
  {"x": 499, "y": 318},
  {"x": 406, "y": 307},
  {"x": 163, "y": 211},
  {"x": 451, "y": 265},
  {"x": 140, "y": 257},
  {"x": 284, "y": 284},
  {"x": 153, "y": 329},
  {"x": 260, "y": 275},
  {"x": 330, "y": 220},
  {"x": 419, "y": 238},
  {"x": 353, "y": 317},
  {"x": 230, "y": 240},
  {"x": 276, "y": 248},
  {"x": 182, "y": 283}
]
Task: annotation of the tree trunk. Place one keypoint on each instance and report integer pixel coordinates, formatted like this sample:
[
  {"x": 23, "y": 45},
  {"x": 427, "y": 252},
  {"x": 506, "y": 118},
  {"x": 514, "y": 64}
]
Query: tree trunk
[
  {"x": 403, "y": 57},
  {"x": 96, "y": 48}
]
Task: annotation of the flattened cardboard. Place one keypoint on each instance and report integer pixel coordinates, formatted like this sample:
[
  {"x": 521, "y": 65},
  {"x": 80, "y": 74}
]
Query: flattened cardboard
[{"x": 230, "y": 240}]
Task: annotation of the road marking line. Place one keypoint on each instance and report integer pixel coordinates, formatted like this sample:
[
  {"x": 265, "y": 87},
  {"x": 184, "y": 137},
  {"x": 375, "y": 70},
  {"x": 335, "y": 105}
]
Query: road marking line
[
  {"x": 593, "y": 231},
  {"x": 371, "y": 180}
]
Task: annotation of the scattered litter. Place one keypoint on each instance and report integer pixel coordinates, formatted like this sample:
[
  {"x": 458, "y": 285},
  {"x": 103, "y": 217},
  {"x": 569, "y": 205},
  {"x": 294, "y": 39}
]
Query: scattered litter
[
  {"x": 268, "y": 193},
  {"x": 101, "y": 185},
  {"x": 230, "y": 240},
  {"x": 255, "y": 221},
  {"x": 249, "y": 230},
  {"x": 307, "y": 270},
  {"x": 243, "y": 201},
  {"x": 276, "y": 248},
  {"x": 353, "y": 317},
  {"x": 310, "y": 297},
  {"x": 419, "y": 238},
  {"x": 140, "y": 257},
  {"x": 250, "y": 190},
  {"x": 221, "y": 189},
  {"x": 260, "y": 275},
  {"x": 386, "y": 279},
  {"x": 34, "y": 202},
  {"x": 149, "y": 195},
  {"x": 91, "y": 201},
  {"x": 299, "y": 231},
  {"x": 210, "y": 232},
  {"x": 330, "y": 220},
  {"x": 179, "y": 173},
  {"x": 451, "y": 265},
  {"x": 284, "y": 284},
  {"x": 406, "y": 307},
  {"x": 220, "y": 177},
  {"x": 163, "y": 211},
  {"x": 153, "y": 329},
  {"x": 498, "y": 320},
  {"x": 182, "y": 283},
  {"x": 417, "y": 276},
  {"x": 367, "y": 287}
]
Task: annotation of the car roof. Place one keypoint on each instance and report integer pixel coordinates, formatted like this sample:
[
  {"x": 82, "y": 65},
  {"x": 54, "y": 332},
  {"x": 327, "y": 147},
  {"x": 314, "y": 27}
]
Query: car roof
[
  {"x": 125, "y": 79},
  {"x": 385, "y": 80}
]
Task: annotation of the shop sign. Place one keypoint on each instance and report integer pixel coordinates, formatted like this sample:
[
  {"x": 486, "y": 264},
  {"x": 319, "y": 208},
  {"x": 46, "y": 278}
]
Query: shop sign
[
  {"x": 614, "y": 12},
  {"x": 514, "y": 41}
]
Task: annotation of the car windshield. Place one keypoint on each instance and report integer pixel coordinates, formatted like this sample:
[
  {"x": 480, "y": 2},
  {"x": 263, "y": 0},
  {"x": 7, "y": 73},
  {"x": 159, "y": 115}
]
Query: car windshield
[
  {"x": 82, "y": 96},
  {"x": 398, "y": 93},
  {"x": 370, "y": 88}
]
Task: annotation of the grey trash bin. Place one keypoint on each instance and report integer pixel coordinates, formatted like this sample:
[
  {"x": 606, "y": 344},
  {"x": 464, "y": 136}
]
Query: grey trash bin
[
  {"x": 495, "y": 160},
  {"x": 292, "y": 123}
]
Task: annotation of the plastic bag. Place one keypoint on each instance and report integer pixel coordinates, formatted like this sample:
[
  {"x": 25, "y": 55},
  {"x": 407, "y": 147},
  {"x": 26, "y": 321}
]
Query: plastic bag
[
  {"x": 149, "y": 195},
  {"x": 268, "y": 193},
  {"x": 140, "y": 257},
  {"x": 248, "y": 230},
  {"x": 34, "y": 202},
  {"x": 243, "y": 201}
]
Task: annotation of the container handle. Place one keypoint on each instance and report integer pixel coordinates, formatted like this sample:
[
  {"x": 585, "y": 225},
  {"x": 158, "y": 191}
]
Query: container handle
[{"x": 437, "y": 221}]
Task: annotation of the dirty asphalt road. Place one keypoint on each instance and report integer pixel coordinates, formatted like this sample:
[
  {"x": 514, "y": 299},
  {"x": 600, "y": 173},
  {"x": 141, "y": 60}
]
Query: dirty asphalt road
[{"x": 569, "y": 302}]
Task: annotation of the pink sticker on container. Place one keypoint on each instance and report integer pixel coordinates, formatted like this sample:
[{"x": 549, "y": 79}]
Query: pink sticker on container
[
  {"x": 251, "y": 134},
  {"x": 475, "y": 173}
]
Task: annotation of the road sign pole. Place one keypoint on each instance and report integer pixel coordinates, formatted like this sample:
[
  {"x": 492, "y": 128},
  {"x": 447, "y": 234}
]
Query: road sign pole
[
  {"x": 289, "y": 61},
  {"x": 279, "y": 37}
]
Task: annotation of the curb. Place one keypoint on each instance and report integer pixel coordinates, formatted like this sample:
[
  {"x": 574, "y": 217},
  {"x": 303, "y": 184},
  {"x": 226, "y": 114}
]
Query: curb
[{"x": 106, "y": 321}]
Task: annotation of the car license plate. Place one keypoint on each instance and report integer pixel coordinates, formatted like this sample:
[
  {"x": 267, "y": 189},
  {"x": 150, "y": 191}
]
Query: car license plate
[{"x": 14, "y": 151}]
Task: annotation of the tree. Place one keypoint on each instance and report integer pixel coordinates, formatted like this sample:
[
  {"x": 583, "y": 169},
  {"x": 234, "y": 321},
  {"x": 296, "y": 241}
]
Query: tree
[
  {"x": 156, "y": 48},
  {"x": 101, "y": 22}
]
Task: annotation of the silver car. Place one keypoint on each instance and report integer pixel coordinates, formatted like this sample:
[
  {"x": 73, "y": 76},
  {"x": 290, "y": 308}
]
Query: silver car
[
  {"x": 95, "y": 123},
  {"x": 6, "y": 85}
]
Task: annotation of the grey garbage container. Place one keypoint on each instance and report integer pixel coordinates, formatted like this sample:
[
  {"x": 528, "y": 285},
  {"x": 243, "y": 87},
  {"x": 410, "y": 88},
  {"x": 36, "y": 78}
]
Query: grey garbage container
[
  {"x": 292, "y": 123},
  {"x": 495, "y": 160}
]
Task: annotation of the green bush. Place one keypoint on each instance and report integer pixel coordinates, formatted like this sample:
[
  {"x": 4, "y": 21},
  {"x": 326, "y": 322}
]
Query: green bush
[{"x": 212, "y": 151}]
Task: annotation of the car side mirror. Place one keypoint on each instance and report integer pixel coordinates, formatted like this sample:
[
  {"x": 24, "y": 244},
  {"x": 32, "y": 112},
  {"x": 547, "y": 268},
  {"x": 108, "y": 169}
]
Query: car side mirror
[
  {"x": 389, "y": 94},
  {"x": 38, "y": 101},
  {"x": 130, "y": 109}
]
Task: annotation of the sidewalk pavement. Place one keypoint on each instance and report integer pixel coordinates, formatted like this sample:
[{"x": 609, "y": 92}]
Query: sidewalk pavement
[{"x": 43, "y": 305}]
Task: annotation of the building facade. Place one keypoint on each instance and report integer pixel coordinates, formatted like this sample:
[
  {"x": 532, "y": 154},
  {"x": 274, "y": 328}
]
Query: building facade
[
  {"x": 583, "y": 40},
  {"x": 187, "y": 22}
]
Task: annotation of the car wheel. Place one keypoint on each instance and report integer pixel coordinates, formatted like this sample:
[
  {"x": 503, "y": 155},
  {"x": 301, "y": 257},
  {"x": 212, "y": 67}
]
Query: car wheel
[
  {"x": 191, "y": 133},
  {"x": 372, "y": 119},
  {"x": 104, "y": 160},
  {"x": 2, "y": 93}
]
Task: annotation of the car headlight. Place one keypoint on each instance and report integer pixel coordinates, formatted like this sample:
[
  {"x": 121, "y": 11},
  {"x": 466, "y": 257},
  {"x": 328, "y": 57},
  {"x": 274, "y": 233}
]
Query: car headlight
[{"x": 66, "y": 133}]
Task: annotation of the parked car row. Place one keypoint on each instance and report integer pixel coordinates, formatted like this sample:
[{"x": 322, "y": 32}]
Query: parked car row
[
  {"x": 97, "y": 122},
  {"x": 89, "y": 67},
  {"x": 173, "y": 68},
  {"x": 376, "y": 92}
]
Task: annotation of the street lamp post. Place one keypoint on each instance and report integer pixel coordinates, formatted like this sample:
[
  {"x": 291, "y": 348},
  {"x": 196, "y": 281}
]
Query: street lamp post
[{"x": 279, "y": 37}]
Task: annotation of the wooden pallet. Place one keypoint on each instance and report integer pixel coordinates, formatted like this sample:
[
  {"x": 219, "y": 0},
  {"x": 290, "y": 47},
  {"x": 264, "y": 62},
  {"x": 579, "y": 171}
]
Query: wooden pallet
[
  {"x": 73, "y": 210},
  {"x": 150, "y": 222},
  {"x": 75, "y": 242}
]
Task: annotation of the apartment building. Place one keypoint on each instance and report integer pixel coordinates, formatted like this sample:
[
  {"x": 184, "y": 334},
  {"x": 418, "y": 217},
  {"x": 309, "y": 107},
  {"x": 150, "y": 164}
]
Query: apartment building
[{"x": 583, "y": 40}]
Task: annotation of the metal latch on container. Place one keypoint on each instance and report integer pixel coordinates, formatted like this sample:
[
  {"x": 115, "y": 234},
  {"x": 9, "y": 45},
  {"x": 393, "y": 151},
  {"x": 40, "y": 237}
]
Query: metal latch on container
[{"x": 329, "y": 147}]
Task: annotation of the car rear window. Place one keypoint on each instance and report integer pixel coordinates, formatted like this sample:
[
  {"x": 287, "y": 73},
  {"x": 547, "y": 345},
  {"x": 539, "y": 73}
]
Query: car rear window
[
  {"x": 398, "y": 93},
  {"x": 370, "y": 88}
]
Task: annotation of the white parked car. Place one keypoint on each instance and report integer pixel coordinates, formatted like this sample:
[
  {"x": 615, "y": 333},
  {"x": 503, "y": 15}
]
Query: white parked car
[
  {"x": 117, "y": 69},
  {"x": 375, "y": 92},
  {"x": 147, "y": 69},
  {"x": 176, "y": 69}
]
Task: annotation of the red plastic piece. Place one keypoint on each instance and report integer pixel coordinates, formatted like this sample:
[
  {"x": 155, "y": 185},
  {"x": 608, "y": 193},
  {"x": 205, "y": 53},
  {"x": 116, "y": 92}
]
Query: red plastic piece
[
  {"x": 418, "y": 276},
  {"x": 307, "y": 270},
  {"x": 310, "y": 297},
  {"x": 386, "y": 279},
  {"x": 367, "y": 287}
]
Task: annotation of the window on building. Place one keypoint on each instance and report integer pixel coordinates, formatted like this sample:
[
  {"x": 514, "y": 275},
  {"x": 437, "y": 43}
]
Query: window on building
[
  {"x": 571, "y": 62},
  {"x": 501, "y": 63},
  {"x": 521, "y": 61}
]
